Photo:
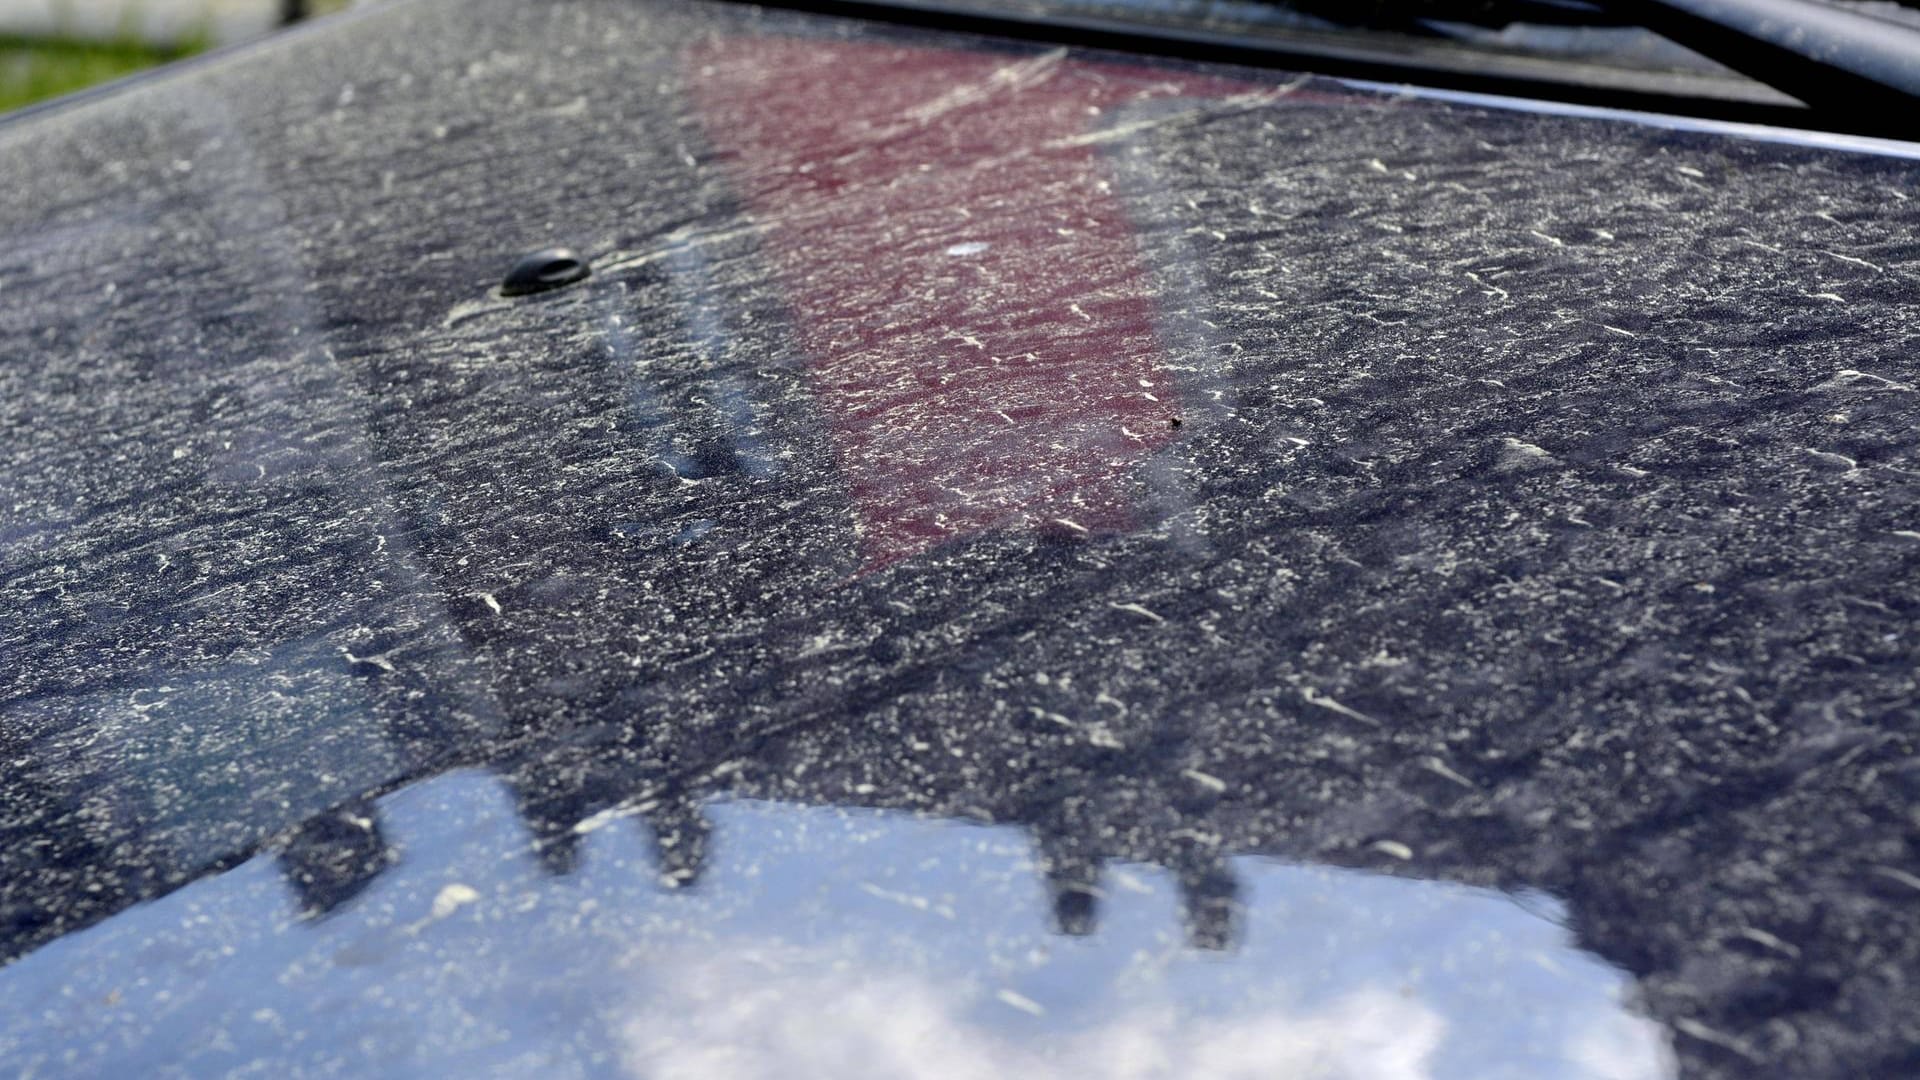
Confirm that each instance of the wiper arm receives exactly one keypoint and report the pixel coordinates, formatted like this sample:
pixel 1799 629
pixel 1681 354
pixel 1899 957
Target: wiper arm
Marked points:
pixel 1833 59
pixel 1805 66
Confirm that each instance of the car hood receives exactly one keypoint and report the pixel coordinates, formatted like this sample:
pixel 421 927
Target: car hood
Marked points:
pixel 1015 559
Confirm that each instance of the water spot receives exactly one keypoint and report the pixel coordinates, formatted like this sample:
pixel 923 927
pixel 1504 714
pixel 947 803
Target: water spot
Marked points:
pixel 452 898
pixel 1022 1002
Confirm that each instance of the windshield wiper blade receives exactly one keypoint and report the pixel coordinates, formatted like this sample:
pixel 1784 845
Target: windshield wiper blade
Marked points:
pixel 1335 52
pixel 1835 60
pixel 1834 87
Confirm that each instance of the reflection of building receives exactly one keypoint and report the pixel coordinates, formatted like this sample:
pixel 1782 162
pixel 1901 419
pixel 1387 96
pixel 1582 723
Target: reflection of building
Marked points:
pixel 330 858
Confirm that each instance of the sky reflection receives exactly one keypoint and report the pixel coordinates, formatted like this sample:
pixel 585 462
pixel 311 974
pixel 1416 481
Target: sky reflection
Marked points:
pixel 822 942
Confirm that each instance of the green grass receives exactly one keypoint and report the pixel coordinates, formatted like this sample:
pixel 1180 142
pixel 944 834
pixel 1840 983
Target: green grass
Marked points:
pixel 33 69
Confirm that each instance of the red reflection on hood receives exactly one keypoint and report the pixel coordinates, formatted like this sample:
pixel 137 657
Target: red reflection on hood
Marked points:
pixel 977 321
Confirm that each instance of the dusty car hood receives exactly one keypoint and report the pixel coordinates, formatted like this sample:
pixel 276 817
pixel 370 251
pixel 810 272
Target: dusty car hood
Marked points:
pixel 1015 559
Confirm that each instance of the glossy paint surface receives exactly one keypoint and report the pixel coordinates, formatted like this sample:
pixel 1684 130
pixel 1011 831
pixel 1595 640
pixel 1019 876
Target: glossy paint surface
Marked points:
pixel 1014 558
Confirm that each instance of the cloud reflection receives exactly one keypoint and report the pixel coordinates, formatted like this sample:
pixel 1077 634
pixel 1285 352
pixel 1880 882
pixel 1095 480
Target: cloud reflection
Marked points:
pixel 766 1010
